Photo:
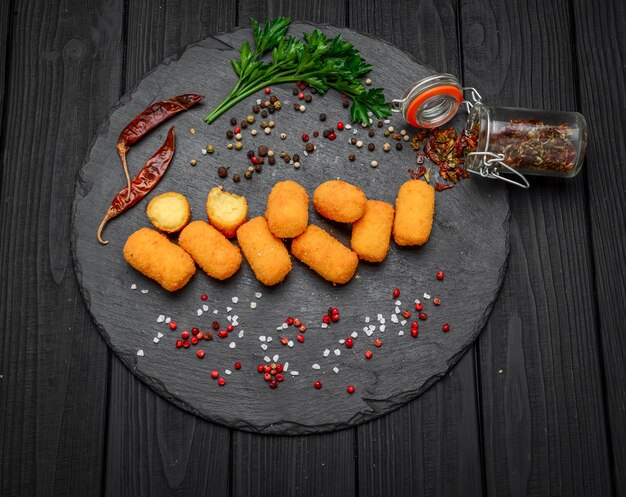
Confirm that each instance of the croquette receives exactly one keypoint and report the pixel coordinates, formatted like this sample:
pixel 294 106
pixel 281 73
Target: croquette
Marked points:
pixel 325 255
pixel 217 257
pixel 226 211
pixel 169 212
pixel 339 201
pixel 287 210
pixel 266 254
pixel 371 233
pixel 153 255
pixel 415 208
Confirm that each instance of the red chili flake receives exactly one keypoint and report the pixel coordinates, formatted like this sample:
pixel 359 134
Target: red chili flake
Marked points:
pixel 179 344
pixel 378 342
pixel 289 321
pixel 350 389
pixel 301 96
pixel 368 354
pixel 441 186
pixel 184 335
pixel 267 90
pixel 254 160
pixel 406 314
pixel 418 306
pixel 417 174
pixel 279 368
pixel 332 136
pixel 422 316
pixel 279 377
pixel 215 374
pixel 221 382
pixel 273 384
pixel 230 328
pixel 284 341
pixel 297 323
pixel 204 296
pixel 216 325
pixel 237 130
pixel 172 325
pixel 300 338
pixel 194 341
pixel 396 293
pixel 200 353
pixel 267 376
pixel 349 342
pixel 440 275
pixel 414 332
pixel 222 333
pixel 317 385
pixel 260 367
pixel 305 137
pixel 195 331
pixel 340 126
pixel 437 301
pixel 186 344
pixel 326 319
pixel 446 327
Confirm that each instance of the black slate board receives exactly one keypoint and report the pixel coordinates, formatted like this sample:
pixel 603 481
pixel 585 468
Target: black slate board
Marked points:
pixel 469 242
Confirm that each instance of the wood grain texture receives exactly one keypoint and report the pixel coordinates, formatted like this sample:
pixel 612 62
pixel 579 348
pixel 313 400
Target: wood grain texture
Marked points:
pixel 432 445
pixel 601 52
pixel 6 25
pixel 540 377
pixel 184 455
pixel 63 77
pixel 314 11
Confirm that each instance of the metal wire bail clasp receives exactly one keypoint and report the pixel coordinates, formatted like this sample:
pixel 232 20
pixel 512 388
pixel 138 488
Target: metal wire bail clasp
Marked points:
pixel 490 165
pixel 474 96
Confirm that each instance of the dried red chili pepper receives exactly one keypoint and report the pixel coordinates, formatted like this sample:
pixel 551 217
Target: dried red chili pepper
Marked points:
pixel 148 177
pixel 442 186
pixel 149 119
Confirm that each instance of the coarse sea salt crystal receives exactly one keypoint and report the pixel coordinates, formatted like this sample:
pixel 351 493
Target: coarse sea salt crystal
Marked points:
pixel 306 154
pixel 348 126
pixel 394 318
pixel 230 318
pixel 354 131
pixel 144 291
pixel 336 369
pixel 258 101
pixel 140 353
pixel 228 309
pixel 161 318
pixel 379 317
pixel 269 339
pixel 417 301
pixel 258 295
pixel 369 333
pixel 240 334
pixel 232 345
pixel 203 151
pixel 397 310
pixel 264 346
pixel 315 366
pixel 235 300
pixel 372 327
pixel 252 305
pixel 205 308
pixel 401 332
pixel 403 322
pixel 267 359
pixel 337 352
pixel 326 352
pixel 159 335
pixel 133 287
pixel 262 338
pixel 279 328
pixel 199 312
pixel 290 343
pixel 285 326
pixel 382 321
pixel 324 325
pixel 276 357
pixel 367 319
pixel 293 373
pixel 354 334
pixel 227 371
pixel 342 341
pixel 168 320
pixel 285 366
pixel 398 302
pixel 215 311
pixel 386 121
pixel 382 327
pixel 155 340
pixel 426 296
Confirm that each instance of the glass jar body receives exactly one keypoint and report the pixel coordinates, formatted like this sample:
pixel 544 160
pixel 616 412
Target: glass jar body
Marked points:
pixel 528 141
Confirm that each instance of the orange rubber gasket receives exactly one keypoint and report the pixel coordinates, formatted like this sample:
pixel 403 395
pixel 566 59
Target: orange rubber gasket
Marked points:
pixel 438 90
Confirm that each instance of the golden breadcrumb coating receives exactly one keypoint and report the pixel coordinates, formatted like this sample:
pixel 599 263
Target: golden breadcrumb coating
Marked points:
pixel 226 211
pixel 371 234
pixel 153 255
pixel 217 257
pixel 339 201
pixel 266 254
pixel 415 208
pixel 287 210
pixel 325 255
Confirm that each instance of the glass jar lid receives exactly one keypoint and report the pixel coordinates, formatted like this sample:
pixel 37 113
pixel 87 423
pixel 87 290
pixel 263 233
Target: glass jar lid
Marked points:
pixel 431 101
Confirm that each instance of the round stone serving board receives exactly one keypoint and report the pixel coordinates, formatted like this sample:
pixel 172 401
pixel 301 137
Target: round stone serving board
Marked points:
pixel 469 241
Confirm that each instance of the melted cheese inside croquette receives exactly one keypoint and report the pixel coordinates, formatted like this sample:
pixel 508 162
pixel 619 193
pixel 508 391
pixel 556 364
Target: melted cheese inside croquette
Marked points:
pixel 169 212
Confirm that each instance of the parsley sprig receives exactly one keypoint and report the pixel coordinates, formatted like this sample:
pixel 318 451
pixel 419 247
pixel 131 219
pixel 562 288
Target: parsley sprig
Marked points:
pixel 319 61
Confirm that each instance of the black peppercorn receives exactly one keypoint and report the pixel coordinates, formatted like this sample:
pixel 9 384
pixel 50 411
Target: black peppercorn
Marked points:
pixel 233 121
pixel 313 91
pixel 259 168
pixel 229 134
pixel 308 99
pixel 322 117
pixel 325 133
pixel 271 160
pixel 243 124
pixel 296 158
pixel 250 154
pixel 236 178
pixel 222 172
pixel 351 157
pixel 256 109
pixel 398 146
pixel 345 104
pixel 371 133
pixel 273 99
pixel 295 91
pixel 379 124
pixel 262 150
pixel 310 147
pixel 271 109
pixel 353 141
pixel 261 160
pixel 371 147
pixel 263 113
pixel 316 133
pixel 296 106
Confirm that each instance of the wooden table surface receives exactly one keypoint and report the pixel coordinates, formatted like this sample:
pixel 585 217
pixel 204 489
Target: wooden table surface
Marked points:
pixel 536 407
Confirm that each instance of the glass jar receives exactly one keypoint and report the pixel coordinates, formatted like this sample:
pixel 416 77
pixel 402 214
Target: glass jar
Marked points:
pixel 526 141
pixel 507 140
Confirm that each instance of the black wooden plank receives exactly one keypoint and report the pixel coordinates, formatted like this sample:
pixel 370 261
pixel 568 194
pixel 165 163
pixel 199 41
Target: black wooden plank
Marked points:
pixel 6 18
pixel 178 453
pixel 540 377
pixel 600 52
pixel 316 464
pixel 63 77
pixel 431 446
